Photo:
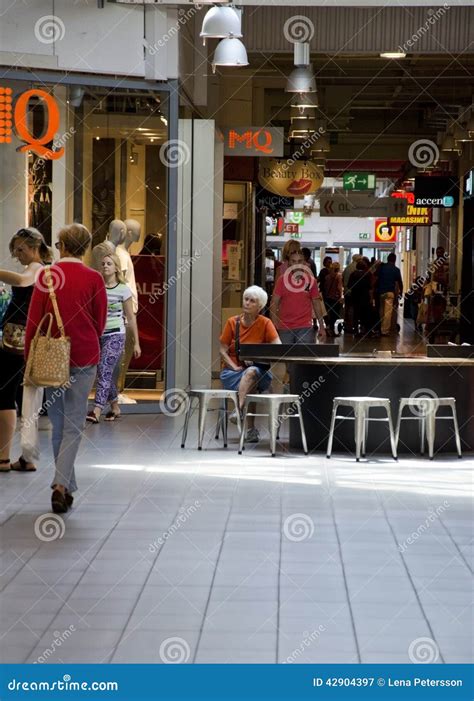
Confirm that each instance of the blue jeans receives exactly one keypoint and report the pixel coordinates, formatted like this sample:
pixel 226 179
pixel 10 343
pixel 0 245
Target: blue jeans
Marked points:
pixel 67 409
pixel 307 335
pixel 231 378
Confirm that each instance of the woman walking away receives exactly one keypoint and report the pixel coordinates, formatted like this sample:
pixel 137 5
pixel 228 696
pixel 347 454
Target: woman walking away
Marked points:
pixel 333 290
pixel 82 304
pixel 29 248
pixel 112 342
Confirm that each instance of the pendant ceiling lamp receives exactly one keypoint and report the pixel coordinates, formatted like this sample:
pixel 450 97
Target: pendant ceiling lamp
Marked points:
pixel 461 134
pixel 470 126
pixel 301 80
pixel 321 144
pixel 230 52
pixel 302 103
pixel 220 23
pixel 449 143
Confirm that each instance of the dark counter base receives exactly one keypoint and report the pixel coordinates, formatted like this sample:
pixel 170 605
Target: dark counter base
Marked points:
pixel 318 384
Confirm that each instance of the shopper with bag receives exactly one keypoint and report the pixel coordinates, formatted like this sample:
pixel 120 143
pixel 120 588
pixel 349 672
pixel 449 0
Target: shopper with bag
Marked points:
pixel 29 248
pixel 69 305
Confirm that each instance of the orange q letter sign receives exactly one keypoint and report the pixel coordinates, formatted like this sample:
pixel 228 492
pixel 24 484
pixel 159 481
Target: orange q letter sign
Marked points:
pixel 52 125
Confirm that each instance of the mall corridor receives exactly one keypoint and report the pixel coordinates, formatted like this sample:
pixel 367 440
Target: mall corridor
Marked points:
pixel 176 555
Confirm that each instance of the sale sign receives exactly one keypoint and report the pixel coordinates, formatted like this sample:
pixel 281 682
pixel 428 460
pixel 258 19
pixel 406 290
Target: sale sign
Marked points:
pixel 150 279
pixel 15 118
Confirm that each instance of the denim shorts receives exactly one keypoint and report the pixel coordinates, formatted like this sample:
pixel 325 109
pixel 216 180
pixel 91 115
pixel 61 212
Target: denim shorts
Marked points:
pixel 231 378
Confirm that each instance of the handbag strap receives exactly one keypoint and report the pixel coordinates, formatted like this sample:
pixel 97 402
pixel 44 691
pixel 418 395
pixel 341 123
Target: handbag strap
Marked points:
pixel 237 337
pixel 52 296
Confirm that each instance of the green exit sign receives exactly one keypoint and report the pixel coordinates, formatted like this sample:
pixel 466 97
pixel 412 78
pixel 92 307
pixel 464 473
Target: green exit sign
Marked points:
pixel 359 181
pixel 364 237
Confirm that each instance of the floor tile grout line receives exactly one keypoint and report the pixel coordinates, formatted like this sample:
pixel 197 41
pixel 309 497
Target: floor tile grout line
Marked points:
pixel 206 606
pixel 410 577
pixel 349 602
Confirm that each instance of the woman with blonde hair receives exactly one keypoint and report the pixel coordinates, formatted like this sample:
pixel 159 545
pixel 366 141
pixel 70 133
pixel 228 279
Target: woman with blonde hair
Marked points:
pixel 29 248
pixel 291 247
pixel 112 341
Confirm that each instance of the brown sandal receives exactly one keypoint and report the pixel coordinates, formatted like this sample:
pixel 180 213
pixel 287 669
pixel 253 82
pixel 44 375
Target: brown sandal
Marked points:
pixel 22 466
pixel 5 465
pixel 112 415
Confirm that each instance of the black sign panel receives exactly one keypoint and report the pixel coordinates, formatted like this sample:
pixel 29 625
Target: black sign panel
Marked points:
pixel 276 203
pixel 436 191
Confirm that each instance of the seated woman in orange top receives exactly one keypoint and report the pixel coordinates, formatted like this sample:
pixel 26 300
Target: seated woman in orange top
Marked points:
pixel 243 376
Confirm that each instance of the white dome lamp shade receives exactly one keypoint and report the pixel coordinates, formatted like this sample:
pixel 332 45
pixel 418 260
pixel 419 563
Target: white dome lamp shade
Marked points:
pixel 230 52
pixel 221 22
pixel 301 80
pixel 302 102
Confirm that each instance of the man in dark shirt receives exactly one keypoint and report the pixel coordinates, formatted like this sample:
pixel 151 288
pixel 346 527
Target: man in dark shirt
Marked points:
pixel 389 286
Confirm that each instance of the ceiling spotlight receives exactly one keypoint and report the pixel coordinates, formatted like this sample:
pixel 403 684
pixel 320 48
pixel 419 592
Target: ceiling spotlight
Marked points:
pixel 230 52
pixel 221 22
pixel 392 54
pixel 301 80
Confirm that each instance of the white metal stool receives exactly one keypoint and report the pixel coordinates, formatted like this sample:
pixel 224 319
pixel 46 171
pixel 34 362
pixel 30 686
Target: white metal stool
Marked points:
pixel 204 397
pixel 361 406
pixel 426 413
pixel 272 403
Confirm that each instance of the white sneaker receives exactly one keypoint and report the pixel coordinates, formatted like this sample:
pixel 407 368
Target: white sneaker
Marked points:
pixel 252 436
pixel 123 399
pixel 233 417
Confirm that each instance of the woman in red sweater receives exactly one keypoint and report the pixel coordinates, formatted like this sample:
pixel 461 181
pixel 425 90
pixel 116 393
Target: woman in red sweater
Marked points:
pixel 82 303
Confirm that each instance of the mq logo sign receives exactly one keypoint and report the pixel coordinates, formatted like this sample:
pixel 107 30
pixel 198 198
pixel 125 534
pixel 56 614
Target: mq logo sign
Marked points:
pixel 253 141
pixel 16 118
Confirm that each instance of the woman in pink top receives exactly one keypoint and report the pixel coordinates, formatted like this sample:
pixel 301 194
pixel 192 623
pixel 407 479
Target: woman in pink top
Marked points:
pixel 295 302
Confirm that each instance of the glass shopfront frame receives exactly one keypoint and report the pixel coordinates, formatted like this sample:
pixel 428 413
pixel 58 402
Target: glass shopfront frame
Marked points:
pixel 81 197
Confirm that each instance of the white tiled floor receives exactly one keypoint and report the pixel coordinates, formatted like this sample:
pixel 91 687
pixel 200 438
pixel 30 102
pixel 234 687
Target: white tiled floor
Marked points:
pixel 212 557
